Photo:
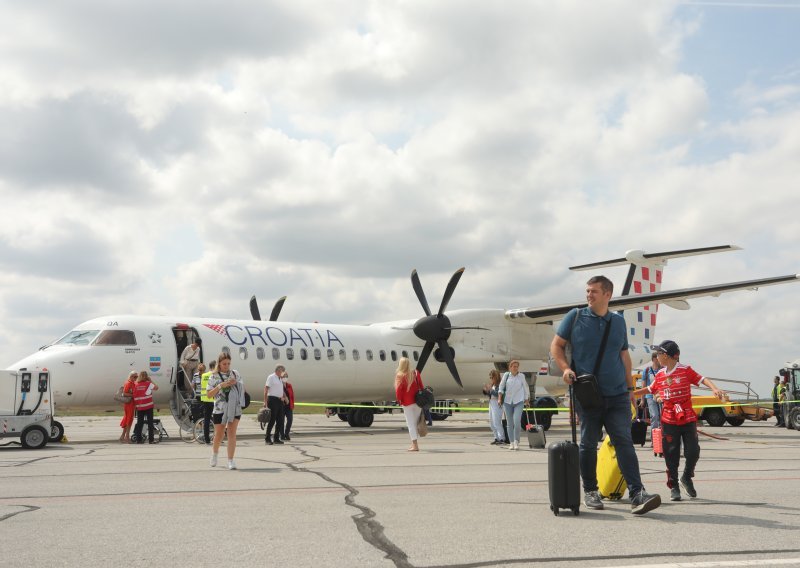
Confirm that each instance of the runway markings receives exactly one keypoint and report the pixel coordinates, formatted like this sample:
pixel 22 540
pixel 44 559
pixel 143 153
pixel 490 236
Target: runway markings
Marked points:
pixel 725 563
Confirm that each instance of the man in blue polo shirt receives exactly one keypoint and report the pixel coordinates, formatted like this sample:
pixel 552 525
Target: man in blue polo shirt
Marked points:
pixel 583 329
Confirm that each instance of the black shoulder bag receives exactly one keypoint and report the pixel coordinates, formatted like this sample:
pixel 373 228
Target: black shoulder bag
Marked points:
pixel 587 391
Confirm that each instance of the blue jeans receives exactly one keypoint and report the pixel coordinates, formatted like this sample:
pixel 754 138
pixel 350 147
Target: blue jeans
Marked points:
pixel 514 420
pixel 616 417
pixel 655 413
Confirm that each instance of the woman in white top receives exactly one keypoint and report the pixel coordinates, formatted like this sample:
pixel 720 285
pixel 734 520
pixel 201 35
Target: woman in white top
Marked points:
pixel 495 410
pixel 514 394
pixel 226 387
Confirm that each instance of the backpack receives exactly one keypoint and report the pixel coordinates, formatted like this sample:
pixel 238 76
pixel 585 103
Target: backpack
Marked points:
pixel 122 397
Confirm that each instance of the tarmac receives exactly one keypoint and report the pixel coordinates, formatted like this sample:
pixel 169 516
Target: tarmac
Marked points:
pixel 342 496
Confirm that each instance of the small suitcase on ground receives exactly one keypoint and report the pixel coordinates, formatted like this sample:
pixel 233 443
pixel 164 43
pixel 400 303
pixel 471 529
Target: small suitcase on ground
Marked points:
pixel 639 432
pixel 610 482
pixel 563 472
pixel 536 436
pixel 658 442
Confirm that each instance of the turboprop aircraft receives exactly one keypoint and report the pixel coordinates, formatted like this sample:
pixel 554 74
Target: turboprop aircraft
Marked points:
pixel 334 363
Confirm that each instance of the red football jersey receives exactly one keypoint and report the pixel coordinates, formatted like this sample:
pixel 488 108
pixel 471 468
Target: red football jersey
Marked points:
pixel 675 389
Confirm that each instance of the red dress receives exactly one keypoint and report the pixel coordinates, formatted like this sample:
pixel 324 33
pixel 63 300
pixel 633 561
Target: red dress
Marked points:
pixel 128 407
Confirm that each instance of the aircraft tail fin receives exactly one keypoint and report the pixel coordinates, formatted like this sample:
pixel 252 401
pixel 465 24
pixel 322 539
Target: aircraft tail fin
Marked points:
pixel 645 276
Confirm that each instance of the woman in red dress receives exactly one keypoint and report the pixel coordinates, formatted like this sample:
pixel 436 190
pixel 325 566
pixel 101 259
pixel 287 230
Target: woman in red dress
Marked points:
pixel 128 408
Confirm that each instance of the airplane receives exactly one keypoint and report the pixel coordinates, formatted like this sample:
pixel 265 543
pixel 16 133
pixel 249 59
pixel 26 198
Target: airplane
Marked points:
pixel 338 364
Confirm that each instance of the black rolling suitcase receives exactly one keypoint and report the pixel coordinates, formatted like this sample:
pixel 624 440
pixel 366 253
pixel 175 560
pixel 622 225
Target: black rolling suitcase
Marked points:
pixel 563 472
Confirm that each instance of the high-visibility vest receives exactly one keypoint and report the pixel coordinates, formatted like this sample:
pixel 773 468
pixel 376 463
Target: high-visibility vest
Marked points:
pixel 204 385
pixel 143 400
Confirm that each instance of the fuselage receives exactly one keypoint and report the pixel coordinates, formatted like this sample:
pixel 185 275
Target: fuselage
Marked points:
pixel 327 363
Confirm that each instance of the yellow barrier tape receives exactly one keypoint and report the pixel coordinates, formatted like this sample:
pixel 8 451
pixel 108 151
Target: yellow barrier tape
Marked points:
pixel 528 409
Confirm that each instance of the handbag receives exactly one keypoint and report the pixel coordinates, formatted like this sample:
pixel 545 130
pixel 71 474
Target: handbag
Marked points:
pixel 263 416
pixel 422 425
pixel 122 397
pixel 587 391
pixel 424 397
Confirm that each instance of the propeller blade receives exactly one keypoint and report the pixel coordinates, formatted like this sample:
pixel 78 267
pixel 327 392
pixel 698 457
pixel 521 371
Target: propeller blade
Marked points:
pixel 277 309
pixel 448 293
pixel 423 357
pixel 418 291
pixel 444 349
pixel 254 309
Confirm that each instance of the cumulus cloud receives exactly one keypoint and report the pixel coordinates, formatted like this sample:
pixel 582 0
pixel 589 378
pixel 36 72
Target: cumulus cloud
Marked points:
pixel 178 158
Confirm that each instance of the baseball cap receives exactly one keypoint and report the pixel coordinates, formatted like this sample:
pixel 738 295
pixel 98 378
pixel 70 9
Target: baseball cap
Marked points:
pixel 669 347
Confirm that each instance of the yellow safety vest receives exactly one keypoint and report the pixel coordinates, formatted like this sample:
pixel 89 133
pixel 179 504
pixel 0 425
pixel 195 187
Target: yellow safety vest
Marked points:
pixel 203 386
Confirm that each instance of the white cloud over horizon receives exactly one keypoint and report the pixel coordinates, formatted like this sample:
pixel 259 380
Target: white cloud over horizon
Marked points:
pixel 176 158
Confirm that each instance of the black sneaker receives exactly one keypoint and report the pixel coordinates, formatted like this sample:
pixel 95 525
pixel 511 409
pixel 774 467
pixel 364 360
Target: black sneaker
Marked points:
pixel 268 441
pixel 287 437
pixel 644 502
pixel 592 500
pixel 675 494
pixel 278 440
pixel 688 486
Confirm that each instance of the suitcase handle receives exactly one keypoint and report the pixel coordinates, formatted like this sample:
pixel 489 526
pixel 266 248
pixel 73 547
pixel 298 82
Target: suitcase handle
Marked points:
pixel 572 413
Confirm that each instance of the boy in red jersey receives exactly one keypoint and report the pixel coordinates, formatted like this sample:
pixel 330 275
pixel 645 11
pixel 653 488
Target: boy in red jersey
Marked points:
pixel 672 387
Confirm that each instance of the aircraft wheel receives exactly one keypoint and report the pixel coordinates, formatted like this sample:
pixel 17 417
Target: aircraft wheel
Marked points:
pixel 437 417
pixel 56 431
pixel 342 416
pixel 367 417
pixel 352 417
pixel 734 421
pixel 714 417
pixel 34 437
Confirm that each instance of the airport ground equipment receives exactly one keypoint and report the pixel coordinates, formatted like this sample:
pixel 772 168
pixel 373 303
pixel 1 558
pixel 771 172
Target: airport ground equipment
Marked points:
pixel 26 408
pixel 745 404
pixel 791 408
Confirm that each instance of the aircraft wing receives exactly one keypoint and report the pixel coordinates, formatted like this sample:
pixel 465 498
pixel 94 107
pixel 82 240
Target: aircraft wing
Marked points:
pixel 674 298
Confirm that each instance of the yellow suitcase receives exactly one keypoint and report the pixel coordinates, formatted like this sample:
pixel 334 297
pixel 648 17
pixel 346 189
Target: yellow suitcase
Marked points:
pixel 610 483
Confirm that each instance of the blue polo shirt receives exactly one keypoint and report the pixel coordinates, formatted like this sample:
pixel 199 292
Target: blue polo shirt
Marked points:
pixel 584 330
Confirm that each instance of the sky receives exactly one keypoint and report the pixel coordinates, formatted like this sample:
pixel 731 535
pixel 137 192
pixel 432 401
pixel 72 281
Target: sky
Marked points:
pixel 174 158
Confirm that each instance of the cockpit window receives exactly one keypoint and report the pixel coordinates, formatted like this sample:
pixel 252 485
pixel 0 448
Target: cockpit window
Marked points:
pixel 78 337
pixel 116 337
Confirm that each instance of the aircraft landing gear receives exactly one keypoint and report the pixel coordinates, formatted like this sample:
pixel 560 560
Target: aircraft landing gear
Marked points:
pixel 360 417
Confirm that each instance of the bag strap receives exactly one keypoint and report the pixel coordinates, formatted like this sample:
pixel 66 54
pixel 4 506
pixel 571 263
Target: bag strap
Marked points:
pixel 602 347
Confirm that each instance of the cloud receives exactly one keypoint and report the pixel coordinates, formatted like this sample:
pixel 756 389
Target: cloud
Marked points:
pixel 179 158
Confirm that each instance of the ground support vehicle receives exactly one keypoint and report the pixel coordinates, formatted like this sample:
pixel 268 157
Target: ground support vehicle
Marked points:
pixel 791 408
pixel 26 408
pixel 745 404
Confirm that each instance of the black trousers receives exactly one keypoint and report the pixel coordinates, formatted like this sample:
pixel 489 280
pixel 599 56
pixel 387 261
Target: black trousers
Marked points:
pixel 289 416
pixel 143 416
pixel 673 437
pixel 208 410
pixel 275 405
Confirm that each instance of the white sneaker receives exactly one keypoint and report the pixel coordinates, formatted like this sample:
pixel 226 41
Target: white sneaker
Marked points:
pixel 511 446
pixel 213 461
pixel 516 446
pixel 231 464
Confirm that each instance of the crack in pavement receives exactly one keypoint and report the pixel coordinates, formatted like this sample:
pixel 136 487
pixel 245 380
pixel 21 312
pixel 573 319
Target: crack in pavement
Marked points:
pixel 370 529
pixel 26 509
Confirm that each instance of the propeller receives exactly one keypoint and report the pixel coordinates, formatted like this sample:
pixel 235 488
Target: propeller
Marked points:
pixel 276 310
pixel 434 330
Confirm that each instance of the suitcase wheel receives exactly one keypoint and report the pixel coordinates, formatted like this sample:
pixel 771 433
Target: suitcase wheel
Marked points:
pixel 554 509
pixel 576 511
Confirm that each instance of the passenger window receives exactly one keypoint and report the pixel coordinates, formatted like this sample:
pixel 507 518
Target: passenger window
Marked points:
pixel 416 356
pixel 382 355
pixel 260 353
pixel 242 353
pixel 289 353
pixel 317 354
pixel 115 337
pixel 226 350
pixel 342 354
pixel 276 353
pixel 330 354
pixel 369 354
pixel 394 355
pixel 405 353
pixel 303 353
pixel 355 355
